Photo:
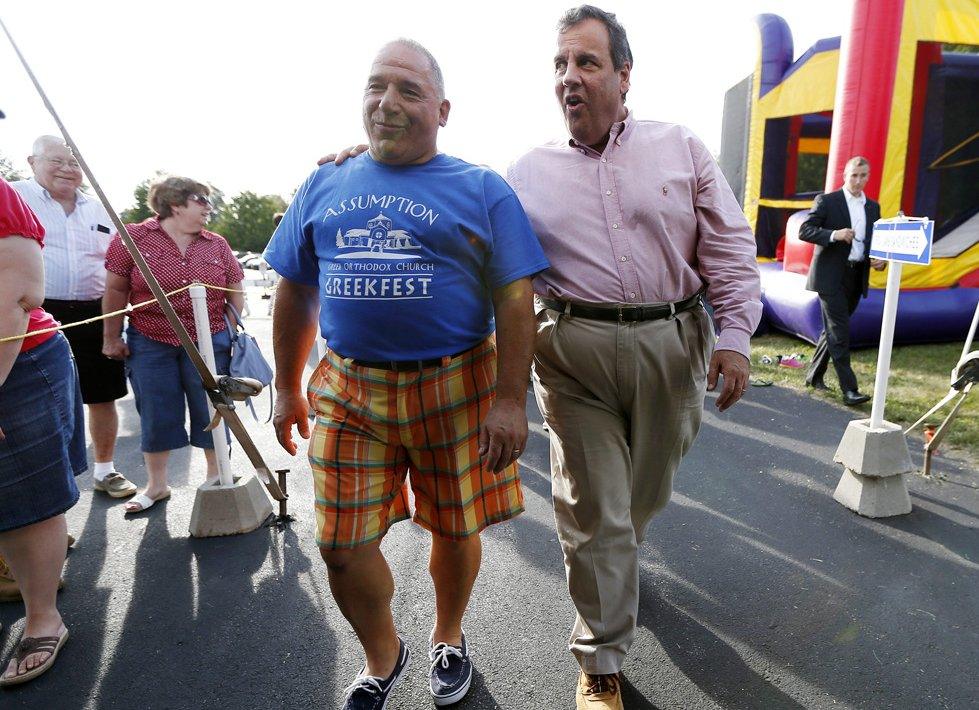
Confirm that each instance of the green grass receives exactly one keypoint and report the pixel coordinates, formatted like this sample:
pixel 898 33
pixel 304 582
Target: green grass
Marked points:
pixel 919 378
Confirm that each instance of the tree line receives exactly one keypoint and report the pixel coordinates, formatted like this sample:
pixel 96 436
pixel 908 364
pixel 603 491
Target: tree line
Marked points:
pixel 246 220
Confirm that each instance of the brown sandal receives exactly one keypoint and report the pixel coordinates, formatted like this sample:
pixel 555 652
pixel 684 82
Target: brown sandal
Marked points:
pixel 28 646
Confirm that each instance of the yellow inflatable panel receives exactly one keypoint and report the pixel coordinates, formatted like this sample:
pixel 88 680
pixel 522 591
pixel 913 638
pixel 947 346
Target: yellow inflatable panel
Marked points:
pixel 943 273
pixel 810 89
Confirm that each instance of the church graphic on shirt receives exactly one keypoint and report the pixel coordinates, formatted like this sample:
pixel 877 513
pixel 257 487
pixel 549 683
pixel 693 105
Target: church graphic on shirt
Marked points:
pixel 378 241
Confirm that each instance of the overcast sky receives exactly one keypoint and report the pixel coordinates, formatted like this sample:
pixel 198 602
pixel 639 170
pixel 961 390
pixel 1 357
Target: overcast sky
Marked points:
pixel 246 95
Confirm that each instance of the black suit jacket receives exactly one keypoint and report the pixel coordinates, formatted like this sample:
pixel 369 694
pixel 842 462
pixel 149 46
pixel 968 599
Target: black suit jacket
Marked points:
pixel 829 213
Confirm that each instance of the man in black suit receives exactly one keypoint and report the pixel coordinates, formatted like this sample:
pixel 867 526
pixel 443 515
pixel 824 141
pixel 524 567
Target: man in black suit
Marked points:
pixel 840 225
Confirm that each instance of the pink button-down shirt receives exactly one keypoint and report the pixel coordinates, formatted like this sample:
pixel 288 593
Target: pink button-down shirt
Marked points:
pixel 649 220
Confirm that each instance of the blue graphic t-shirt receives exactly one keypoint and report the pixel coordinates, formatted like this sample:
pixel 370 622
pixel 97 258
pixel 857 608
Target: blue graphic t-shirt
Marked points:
pixel 405 257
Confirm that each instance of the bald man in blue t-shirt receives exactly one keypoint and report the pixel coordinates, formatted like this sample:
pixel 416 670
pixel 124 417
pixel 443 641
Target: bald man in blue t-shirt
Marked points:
pixel 410 256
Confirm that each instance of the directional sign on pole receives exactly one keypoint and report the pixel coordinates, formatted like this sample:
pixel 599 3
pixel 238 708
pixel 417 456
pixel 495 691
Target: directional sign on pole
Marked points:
pixel 903 239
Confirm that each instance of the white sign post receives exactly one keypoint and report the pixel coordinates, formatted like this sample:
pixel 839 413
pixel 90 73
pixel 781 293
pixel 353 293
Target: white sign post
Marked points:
pixel 198 299
pixel 229 505
pixel 901 240
pixel 874 452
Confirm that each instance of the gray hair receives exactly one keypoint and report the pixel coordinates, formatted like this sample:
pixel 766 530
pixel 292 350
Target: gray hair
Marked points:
pixel 44 142
pixel 618 42
pixel 433 65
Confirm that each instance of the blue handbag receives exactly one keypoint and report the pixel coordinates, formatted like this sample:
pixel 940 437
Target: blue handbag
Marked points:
pixel 246 357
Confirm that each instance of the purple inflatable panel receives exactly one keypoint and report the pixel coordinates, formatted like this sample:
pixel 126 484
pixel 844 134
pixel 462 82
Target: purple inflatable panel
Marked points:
pixel 923 315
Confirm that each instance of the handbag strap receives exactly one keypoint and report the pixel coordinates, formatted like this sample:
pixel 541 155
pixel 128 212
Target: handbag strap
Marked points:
pixel 232 332
pixel 241 323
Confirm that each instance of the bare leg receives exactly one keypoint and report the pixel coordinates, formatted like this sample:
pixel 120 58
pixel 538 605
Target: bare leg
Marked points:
pixel 454 565
pixel 212 464
pixel 103 426
pixel 36 554
pixel 156 474
pixel 362 585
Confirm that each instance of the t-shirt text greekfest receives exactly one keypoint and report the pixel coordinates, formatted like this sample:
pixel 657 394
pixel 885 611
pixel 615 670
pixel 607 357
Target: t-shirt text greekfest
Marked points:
pixel 377 261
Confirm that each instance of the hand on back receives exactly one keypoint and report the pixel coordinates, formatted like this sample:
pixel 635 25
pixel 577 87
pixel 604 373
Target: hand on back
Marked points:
pixel 338 158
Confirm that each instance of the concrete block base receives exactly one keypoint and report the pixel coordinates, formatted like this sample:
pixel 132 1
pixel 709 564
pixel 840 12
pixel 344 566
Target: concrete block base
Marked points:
pixel 874 452
pixel 873 497
pixel 229 510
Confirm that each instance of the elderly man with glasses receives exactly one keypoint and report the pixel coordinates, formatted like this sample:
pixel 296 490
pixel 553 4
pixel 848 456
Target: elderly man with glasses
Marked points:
pixel 77 234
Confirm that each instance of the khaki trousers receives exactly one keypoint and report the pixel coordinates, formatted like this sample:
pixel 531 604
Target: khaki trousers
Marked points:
pixel 623 402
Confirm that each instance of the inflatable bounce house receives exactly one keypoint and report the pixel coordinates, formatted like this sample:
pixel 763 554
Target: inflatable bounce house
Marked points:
pixel 902 89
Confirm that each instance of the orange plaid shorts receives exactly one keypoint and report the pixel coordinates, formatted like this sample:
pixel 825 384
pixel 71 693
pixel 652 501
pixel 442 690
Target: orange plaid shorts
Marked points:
pixel 374 426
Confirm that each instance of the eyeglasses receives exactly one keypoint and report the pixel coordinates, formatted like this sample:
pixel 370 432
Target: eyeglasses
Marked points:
pixel 60 163
pixel 200 199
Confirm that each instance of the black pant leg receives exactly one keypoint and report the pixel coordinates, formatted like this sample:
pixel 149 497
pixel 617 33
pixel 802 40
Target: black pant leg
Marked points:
pixel 820 359
pixel 836 315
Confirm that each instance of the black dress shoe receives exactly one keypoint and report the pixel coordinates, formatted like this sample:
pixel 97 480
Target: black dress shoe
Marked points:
pixel 851 398
pixel 817 384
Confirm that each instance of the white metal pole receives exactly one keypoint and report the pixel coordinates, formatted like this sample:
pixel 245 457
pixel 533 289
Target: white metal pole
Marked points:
pixel 198 298
pixel 886 341
pixel 972 333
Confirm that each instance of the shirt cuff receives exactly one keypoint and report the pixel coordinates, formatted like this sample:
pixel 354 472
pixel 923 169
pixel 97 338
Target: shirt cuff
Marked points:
pixel 734 339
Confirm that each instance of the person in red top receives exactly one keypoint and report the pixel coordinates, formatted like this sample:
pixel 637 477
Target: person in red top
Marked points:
pixel 165 383
pixel 42 439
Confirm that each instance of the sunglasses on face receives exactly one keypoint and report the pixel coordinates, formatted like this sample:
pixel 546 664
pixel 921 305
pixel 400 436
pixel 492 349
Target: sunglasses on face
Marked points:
pixel 200 199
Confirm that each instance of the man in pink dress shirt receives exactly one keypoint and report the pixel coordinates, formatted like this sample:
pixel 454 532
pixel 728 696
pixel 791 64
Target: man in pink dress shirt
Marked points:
pixel 638 223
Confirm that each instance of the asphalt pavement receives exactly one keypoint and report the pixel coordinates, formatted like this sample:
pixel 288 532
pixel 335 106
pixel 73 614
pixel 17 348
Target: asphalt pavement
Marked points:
pixel 758 590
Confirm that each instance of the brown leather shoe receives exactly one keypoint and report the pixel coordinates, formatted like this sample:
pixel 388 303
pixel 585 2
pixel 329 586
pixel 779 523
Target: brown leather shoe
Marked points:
pixel 599 692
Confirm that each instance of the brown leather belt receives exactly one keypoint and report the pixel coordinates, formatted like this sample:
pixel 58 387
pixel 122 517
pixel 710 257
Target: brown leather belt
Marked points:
pixel 623 313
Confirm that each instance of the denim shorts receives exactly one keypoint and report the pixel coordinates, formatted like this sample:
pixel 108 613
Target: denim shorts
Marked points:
pixel 43 448
pixel 166 385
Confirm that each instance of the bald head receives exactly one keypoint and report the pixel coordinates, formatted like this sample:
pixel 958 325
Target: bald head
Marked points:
pixel 404 104
pixel 435 71
pixel 44 142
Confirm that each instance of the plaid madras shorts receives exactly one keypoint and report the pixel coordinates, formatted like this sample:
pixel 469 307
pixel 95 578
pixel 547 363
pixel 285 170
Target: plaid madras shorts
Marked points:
pixel 373 426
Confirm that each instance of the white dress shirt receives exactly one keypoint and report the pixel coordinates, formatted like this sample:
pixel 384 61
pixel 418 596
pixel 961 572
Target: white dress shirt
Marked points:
pixel 74 244
pixel 858 222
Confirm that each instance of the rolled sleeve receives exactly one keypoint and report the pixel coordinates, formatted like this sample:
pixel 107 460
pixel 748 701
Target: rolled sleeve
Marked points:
pixel 726 257
pixel 233 271
pixel 118 260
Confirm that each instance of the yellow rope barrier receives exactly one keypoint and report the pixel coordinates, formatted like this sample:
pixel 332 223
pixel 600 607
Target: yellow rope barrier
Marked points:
pixel 124 311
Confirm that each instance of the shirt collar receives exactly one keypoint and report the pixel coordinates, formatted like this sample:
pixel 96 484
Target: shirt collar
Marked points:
pixel 153 224
pixel 860 199
pixel 38 187
pixel 618 133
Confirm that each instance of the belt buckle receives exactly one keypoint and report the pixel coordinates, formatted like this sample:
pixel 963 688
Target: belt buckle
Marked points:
pixel 672 311
pixel 619 308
